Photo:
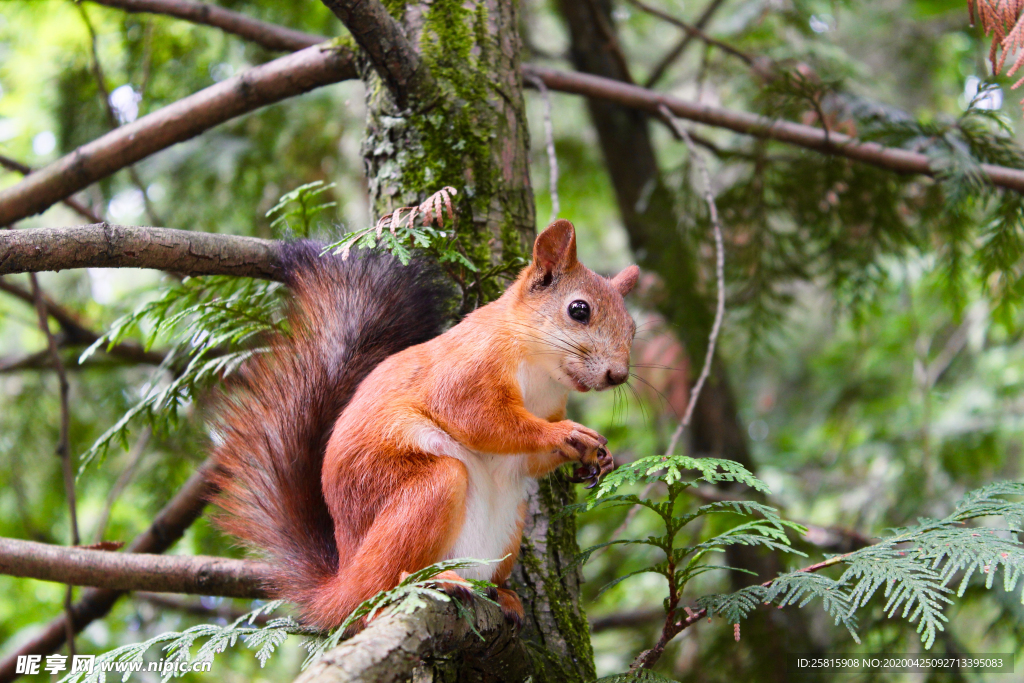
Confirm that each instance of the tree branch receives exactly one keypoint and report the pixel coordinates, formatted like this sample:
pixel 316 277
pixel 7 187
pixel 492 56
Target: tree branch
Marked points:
pixel 99 75
pixel 693 31
pixel 73 204
pixel 116 246
pixel 167 527
pixel 393 56
pixel 676 52
pixel 270 36
pixel 837 144
pixel 191 574
pixel 393 647
pixel 266 84
pixel 63 444
pixel 72 331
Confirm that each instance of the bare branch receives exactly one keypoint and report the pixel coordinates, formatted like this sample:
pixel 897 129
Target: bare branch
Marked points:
pixel 63 445
pixel 278 80
pixel 166 529
pixel 63 442
pixel 393 56
pixel 837 144
pixel 117 246
pixel 101 85
pixel 270 36
pixel 716 226
pixel 73 332
pixel 676 52
pixel 191 574
pixel 549 139
pixel 394 645
pixel 73 204
pixel 693 31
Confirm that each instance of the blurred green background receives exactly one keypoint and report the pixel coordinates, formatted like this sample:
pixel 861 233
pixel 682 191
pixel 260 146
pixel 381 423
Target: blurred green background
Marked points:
pixel 877 364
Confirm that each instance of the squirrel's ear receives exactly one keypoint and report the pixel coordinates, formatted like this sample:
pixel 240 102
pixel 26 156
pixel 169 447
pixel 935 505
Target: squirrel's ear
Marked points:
pixel 626 280
pixel 555 249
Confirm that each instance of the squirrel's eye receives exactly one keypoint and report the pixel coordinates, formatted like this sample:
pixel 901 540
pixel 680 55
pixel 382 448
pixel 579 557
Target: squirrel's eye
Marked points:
pixel 579 310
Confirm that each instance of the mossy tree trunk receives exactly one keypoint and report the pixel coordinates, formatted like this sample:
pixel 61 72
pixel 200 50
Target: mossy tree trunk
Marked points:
pixel 469 131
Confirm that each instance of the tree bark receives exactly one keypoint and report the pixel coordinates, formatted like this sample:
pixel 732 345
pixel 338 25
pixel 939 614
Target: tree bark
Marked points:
pixel 103 245
pixel 420 646
pixel 192 574
pixel 472 133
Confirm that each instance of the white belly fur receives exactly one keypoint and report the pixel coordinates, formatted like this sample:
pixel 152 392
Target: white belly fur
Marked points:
pixel 497 483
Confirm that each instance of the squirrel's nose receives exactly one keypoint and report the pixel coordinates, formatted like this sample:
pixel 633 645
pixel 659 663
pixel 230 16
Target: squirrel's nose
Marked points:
pixel 617 376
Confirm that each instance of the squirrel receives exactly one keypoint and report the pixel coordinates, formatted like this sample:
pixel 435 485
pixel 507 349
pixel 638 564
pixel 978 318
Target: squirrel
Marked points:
pixel 368 444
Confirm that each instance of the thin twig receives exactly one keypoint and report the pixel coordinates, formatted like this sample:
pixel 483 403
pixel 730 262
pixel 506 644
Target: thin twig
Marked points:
pixel 63 444
pixel 648 658
pixel 669 631
pixel 134 458
pixel 112 118
pixel 693 31
pixel 709 197
pixel 73 204
pixel 676 52
pixel 549 137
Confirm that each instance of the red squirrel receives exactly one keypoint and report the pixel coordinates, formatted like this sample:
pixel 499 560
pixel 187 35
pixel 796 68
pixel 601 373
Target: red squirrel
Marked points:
pixel 364 447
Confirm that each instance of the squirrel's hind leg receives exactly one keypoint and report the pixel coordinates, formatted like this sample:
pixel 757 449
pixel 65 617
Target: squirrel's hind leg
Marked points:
pixel 415 527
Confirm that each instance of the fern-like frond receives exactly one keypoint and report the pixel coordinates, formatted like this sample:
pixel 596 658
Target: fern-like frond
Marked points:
pixel 407 597
pixel 671 469
pixel 178 645
pixel 410 595
pixel 913 567
pixel 211 325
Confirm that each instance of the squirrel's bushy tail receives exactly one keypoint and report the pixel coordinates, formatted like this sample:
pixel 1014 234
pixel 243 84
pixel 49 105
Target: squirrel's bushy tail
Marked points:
pixel 274 423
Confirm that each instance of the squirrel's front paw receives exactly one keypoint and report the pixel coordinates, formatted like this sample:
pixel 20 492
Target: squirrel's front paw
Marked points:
pixel 581 443
pixel 589 448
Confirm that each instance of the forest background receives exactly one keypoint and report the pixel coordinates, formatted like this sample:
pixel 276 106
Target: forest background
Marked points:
pixel 869 368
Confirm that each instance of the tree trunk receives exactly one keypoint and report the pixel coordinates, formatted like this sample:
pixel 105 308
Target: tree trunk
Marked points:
pixel 472 134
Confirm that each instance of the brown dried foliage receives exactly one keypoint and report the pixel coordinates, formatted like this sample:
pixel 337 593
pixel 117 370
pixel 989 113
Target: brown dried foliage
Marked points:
pixel 1002 19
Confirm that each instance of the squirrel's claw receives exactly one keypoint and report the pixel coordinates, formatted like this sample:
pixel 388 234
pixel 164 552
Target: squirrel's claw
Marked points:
pixel 594 472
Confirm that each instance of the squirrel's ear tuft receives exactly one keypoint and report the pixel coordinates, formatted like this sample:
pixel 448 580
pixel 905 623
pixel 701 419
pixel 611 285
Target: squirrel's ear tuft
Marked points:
pixel 555 249
pixel 626 280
